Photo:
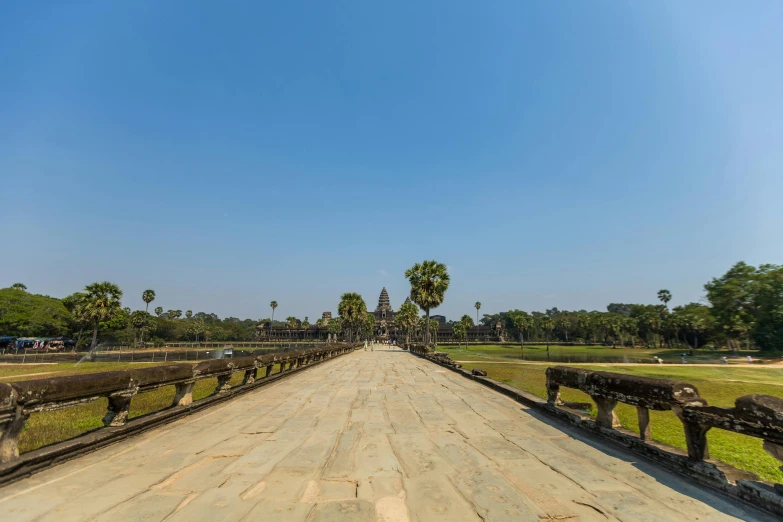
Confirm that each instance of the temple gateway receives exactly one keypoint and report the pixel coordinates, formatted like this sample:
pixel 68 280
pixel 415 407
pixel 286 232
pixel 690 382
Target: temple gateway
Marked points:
pixel 384 317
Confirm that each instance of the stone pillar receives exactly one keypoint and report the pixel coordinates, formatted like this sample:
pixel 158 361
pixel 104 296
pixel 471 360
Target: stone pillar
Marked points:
pixel 643 414
pixel 10 428
pixel 119 407
pixel 553 394
pixel 776 450
pixel 695 437
pixel 269 368
pixel 250 376
pixel 606 416
pixel 184 394
pixel 222 384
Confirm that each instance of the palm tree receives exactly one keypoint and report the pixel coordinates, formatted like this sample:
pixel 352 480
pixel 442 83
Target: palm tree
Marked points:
pixel 407 318
pixel 102 303
pixel 429 281
pixel 189 314
pixel 565 324
pixel 522 322
pixel 138 320
pixel 291 323
pixel 459 333
pixel 352 310
pixel 74 303
pixel 664 296
pixel 148 296
pixel 171 314
pixel 273 304
pixel 434 325
pixel 334 327
pixel 305 325
pixel 468 322
pixel 477 306
pixel 547 325
pixel 159 311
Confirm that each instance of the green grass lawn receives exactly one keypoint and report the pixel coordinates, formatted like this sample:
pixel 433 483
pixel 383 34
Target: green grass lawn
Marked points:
pixel 48 427
pixel 719 385
pixel 597 354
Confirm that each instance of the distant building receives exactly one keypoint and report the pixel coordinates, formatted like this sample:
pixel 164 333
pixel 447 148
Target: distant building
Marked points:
pixel 440 318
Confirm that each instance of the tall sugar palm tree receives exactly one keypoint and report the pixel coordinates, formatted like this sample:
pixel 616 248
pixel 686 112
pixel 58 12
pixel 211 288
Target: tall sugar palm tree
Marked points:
pixel 664 296
pixel 477 306
pixel 159 311
pixel 291 323
pixel 547 325
pixel 102 303
pixel 429 281
pixel 273 304
pixel 352 310
pixel 522 322
pixel 148 296
pixel 565 323
pixel 407 318
pixel 306 325
pixel 468 322
pixel 434 326
pixel 189 314
pixel 459 333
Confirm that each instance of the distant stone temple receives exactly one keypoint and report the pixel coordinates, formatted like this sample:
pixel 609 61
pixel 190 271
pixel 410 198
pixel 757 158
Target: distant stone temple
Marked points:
pixel 384 316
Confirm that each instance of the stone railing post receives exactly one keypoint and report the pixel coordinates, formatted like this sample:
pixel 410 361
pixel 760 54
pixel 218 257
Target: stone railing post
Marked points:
pixel 250 376
pixel 12 419
pixel 119 407
pixel 183 395
pixel 269 368
pixel 776 450
pixel 553 393
pixel 695 436
pixel 606 415
pixel 643 415
pixel 9 436
pixel 222 384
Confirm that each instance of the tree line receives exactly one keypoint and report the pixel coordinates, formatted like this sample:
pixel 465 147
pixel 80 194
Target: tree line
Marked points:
pixel 743 307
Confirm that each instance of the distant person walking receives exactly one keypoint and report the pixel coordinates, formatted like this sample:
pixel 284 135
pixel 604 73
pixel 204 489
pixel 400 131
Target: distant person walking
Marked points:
pixel 365 346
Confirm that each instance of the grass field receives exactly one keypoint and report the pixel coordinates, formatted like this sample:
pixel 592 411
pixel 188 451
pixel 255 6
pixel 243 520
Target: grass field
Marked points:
pixel 719 385
pixel 598 354
pixel 49 427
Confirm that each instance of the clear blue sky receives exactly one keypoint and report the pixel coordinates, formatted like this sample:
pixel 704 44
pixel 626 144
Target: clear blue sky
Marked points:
pixel 225 154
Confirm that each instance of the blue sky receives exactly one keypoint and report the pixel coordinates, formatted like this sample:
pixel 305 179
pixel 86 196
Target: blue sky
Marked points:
pixel 229 153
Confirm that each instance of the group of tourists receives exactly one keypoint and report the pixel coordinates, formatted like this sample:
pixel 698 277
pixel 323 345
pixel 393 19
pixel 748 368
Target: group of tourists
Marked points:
pixel 372 342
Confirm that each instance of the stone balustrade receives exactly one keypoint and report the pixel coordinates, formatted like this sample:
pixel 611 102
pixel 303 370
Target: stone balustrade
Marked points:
pixel 754 415
pixel 20 399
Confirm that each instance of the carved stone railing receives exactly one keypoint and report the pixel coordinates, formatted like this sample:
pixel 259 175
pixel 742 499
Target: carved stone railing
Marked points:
pixel 758 416
pixel 20 399
pixel 436 357
pixel 755 415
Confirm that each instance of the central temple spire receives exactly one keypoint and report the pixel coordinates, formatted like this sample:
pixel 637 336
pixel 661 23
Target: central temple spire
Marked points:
pixel 383 302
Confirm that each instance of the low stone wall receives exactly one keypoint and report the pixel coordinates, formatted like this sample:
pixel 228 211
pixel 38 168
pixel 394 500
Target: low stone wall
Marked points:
pixel 754 415
pixel 19 399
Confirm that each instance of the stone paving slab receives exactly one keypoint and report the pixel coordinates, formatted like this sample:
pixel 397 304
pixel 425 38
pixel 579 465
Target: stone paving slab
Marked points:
pixel 372 436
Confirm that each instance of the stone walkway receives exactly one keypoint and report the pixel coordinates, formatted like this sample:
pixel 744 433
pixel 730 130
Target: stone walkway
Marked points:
pixel 369 436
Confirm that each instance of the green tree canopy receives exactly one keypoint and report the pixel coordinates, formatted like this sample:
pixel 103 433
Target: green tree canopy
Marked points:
pixel 429 281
